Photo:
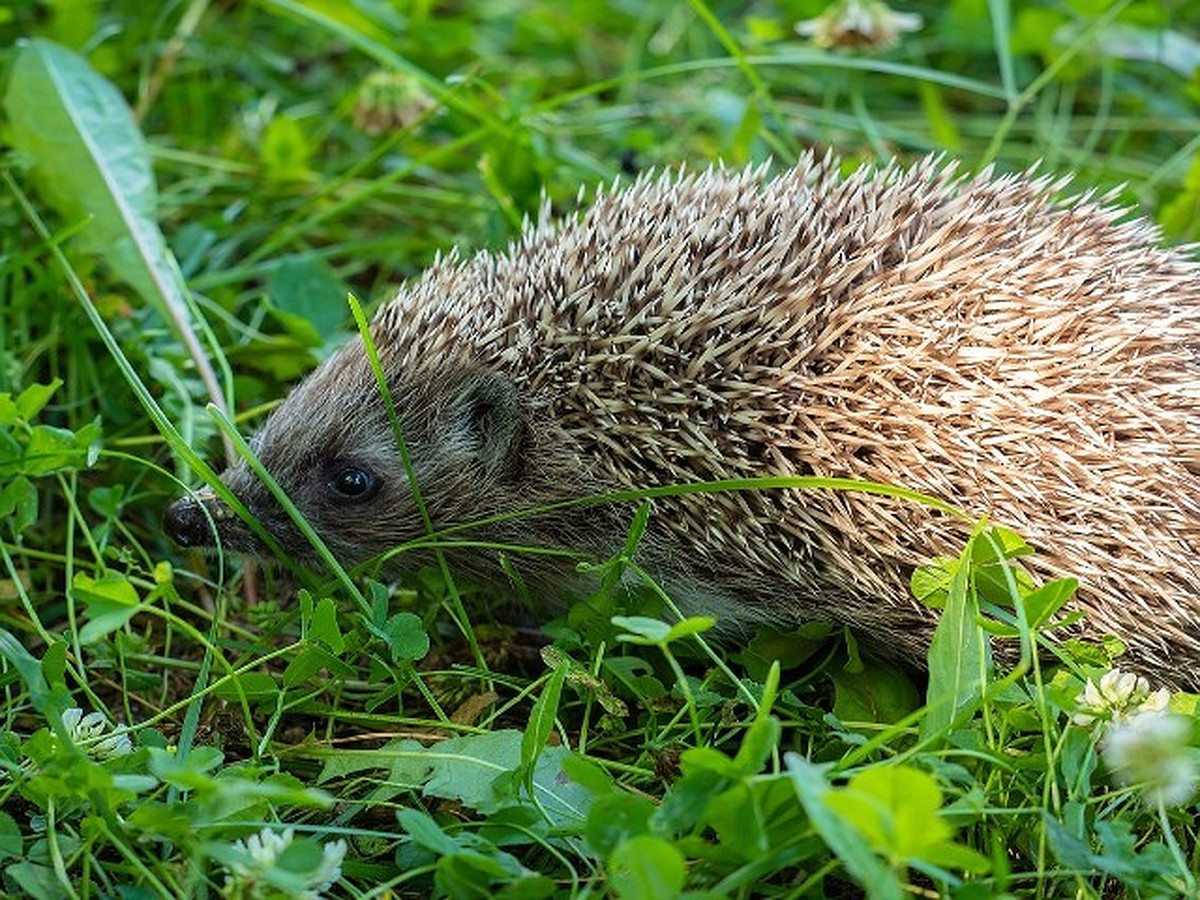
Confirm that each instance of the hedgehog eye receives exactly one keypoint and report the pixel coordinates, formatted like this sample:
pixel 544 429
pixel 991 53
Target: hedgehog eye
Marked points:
pixel 354 483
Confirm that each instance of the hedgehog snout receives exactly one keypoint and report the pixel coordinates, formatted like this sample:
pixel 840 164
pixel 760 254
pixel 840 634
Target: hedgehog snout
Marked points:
pixel 191 521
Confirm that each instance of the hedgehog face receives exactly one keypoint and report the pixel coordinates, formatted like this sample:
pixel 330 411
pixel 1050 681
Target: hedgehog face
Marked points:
pixel 331 447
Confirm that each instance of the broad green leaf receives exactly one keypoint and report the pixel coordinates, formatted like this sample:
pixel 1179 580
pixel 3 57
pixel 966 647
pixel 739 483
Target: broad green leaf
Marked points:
pixel 896 808
pixel 34 881
pixel 70 22
pixel 302 856
pixel 309 661
pixel 233 789
pixel 949 855
pixel 41 694
pixel 689 798
pixel 380 597
pixel 759 816
pixel 11 452
pixel 471 770
pixel 33 399
pixel 51 449
pixel 324 626
pixel 615 818
pixel 742 139
pixel 106 500
pixel 994 551
pixel 1035 29
pixel 1045 601
pixel 787 648
pixel 1167 47
pixel 636 675
pixel 642 630
pixel 1066 847
pixel 528 886
pixel 425 831
pixel 91 163
pixel 103 618
pixel 184 771
pixel 406 760
pixel 9 414
pixel 276 356
pixel 708 759
pixel 866 868
pixel 111 602
pixel 54 663
pixel 739 821
pixel 469 866
pixel 588 774
pixel 468 875
pixel 931 582
pixel 1179 216
pixel 305 288
pixel 941 121
pixel 541 722
pixel 167 821
pixel 646 868
pixel 10 837
pixel 1126 852
pixel 689 626
pixel 285 150
pixel 405 636
pixel 254 686
pixel 959 653
pixel 873 692
pixel 466 769
pixel 111 586
pixel 19 503
pixel 761 739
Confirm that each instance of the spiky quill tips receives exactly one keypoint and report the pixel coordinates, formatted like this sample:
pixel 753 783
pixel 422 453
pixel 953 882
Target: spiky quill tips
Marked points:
pixel 1020 353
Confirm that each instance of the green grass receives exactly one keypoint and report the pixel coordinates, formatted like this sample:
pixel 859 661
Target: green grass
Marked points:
pixel 304 150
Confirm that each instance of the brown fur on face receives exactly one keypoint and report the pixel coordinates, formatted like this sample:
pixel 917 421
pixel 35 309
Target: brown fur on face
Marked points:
pixel 1020 356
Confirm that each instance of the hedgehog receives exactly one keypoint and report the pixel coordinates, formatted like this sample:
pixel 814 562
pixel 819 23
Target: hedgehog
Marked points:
pixel 1026 355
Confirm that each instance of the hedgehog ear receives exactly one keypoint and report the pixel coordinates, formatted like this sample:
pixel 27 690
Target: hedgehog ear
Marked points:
pixel 485 421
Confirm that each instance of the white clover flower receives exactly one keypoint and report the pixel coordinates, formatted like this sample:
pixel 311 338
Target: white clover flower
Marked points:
pixel 264 850
pixel 858 23
pixel 91 733
pixel 390 101
pixel 330 871
pixel 1117 697
pixel 1150 750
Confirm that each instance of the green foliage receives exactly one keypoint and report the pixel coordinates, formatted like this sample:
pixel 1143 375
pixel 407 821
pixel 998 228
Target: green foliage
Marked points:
pixel 88 158
pixel 898 810
pixel 30 450
pixel 190 193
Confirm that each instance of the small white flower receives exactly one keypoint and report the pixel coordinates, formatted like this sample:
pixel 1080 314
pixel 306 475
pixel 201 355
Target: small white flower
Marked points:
pixel 91 733
pixel 1157 701
pixel 858 23
pixel 327 876
pixel 390 101
pixel 1117 697
pixel 1150 750
pixel 264 850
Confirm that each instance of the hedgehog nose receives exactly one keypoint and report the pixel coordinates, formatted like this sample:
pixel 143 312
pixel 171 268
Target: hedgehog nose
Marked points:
pixel 189 520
